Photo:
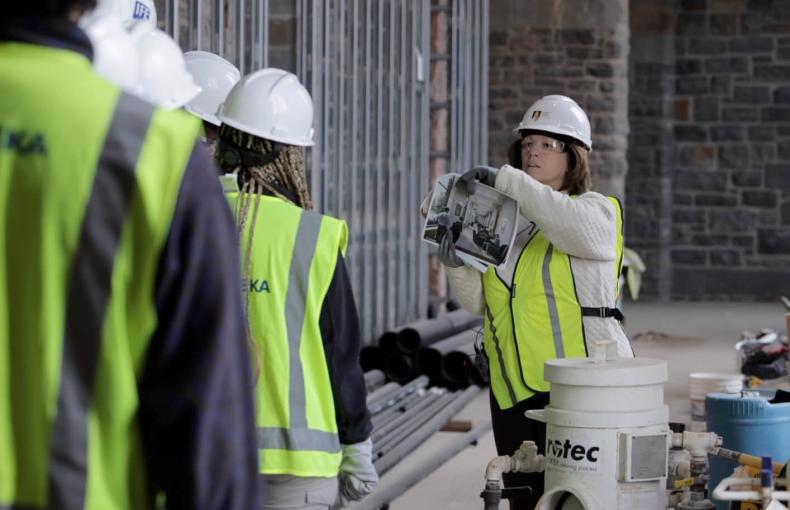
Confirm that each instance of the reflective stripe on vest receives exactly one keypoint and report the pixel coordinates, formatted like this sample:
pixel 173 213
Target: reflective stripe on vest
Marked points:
pixel 536 318
pixel 89 293
pixel 294 256
pixel 88 190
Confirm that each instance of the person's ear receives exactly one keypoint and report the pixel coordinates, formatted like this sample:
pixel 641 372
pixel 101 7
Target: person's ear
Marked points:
pixel 514 154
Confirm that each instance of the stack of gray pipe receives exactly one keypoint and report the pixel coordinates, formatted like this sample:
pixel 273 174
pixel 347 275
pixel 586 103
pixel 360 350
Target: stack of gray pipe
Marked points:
pixel 405 416
pixel 440 348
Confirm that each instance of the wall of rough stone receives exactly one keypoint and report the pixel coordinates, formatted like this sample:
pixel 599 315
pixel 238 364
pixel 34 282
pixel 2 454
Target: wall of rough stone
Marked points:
pixel 722 229
pixel 690 99
pixel 577 48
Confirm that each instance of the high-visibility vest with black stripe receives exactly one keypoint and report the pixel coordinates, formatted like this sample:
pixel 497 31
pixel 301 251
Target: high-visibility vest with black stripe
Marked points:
pixel 294 255
pixel 537 318
pixel 89 179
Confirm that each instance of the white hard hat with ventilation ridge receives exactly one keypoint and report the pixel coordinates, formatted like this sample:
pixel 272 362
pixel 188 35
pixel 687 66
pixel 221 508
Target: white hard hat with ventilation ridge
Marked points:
pixel 164 78
pixel 216 76
pixel 559 115
pixel 271 104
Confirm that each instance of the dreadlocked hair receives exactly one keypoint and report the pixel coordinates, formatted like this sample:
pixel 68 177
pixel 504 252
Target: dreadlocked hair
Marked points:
pixel 286 171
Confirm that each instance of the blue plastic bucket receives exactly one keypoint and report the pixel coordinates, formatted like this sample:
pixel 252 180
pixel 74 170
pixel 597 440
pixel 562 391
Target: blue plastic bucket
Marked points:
pixel 748 424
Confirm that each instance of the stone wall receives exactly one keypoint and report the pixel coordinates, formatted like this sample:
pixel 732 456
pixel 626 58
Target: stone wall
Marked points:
pixel 692 99
pixel 577 48
pixel 727 160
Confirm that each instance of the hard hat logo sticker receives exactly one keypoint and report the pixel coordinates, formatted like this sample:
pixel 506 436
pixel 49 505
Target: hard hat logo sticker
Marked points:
pixel 141 11
pixel 536 114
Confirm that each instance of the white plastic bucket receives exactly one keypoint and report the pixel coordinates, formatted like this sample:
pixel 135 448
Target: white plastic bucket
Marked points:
pixel 702 383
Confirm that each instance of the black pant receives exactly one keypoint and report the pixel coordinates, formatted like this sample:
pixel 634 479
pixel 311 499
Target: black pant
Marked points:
pixel 511 427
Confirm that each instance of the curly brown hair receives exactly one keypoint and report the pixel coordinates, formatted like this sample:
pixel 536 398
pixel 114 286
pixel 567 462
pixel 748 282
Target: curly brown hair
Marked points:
pixel 577 178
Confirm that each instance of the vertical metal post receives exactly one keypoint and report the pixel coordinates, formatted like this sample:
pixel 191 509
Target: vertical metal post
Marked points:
pixel 483 98
pixel 175 21
pixel 191 22
pixel 340 111
pixel 199 24
pixel 240 46
pixel 354 212
pixel 318 100
pixel 264 33
pixel 169 16
pixel 401 281
pixel 219 26
pixel 422 250
pixel 325 80
pixel 454 102
pixel 368 201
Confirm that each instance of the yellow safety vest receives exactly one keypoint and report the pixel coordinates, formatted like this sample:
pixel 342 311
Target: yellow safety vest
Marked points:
pixel 537 319
pixel 294 256
pixel 87 192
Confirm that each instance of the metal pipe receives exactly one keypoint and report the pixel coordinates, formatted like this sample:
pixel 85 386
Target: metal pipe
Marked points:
pixel 396 409
pixel 395 484
pixel 425 402
pixel 379 405
pixel 414 422
pixel 374 379
pixel 427 331
pixel 383 392
pixel 416 437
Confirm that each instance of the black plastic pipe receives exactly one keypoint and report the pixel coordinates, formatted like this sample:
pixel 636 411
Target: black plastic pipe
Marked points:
pixel 427 331
pixel 371 357
pixel 399 368
pixel 429 360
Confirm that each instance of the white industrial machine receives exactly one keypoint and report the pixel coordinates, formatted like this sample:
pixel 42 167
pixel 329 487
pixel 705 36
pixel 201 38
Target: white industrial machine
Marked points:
pixel 608 440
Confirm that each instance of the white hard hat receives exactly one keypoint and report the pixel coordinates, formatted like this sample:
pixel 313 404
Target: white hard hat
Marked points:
pixel 216 76
pixel 130 10
pixel 559 115
pixel 271 104
pixel 164 79
pixel 114 52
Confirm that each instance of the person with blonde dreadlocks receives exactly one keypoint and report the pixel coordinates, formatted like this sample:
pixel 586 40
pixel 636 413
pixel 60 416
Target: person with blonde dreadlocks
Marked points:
pixel 313 423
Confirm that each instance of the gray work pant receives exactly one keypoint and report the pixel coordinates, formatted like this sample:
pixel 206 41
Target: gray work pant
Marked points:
pixel 292 492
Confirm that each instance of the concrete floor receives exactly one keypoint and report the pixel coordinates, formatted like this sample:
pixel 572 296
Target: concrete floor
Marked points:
pixel 692 337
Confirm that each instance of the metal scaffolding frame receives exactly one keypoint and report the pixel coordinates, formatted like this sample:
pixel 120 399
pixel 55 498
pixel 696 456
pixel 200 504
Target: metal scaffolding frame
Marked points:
pixel 218 26
pixel 364 62
pixel 468 84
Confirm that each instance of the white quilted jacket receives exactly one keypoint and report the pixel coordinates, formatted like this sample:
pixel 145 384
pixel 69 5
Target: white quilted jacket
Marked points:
pixel 584 227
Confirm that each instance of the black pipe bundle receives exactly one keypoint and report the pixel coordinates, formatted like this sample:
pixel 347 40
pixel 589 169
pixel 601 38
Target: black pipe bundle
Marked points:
pixel 409 351
pixel 427 331
pixel 429 359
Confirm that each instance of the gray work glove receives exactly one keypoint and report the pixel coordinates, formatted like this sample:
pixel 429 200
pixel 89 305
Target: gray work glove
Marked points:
pixel 483 174
pixel 358 476
pixel 447 254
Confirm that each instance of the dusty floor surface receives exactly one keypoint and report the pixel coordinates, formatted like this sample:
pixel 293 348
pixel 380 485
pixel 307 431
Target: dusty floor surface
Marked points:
pixel 690 336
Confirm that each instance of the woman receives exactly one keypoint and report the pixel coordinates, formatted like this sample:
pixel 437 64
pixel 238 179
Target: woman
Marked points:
pixel 313 425
pixel 555 295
